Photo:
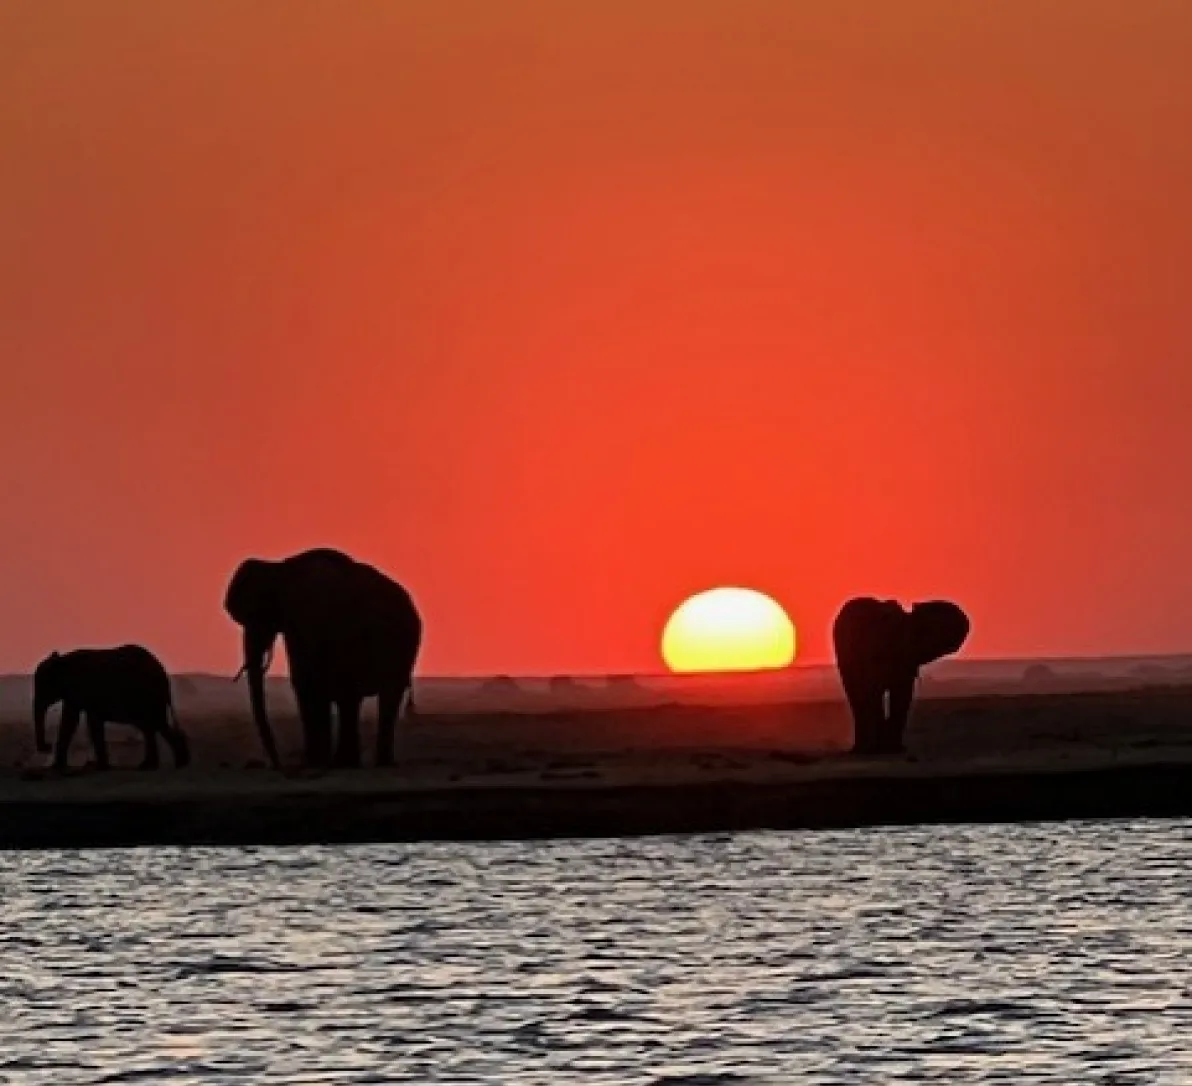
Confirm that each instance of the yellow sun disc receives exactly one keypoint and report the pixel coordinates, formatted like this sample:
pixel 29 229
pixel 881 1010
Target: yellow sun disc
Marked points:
pixel 728 629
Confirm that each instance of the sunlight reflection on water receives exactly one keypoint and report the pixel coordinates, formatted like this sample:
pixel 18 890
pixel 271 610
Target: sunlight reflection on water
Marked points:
pixel 955 954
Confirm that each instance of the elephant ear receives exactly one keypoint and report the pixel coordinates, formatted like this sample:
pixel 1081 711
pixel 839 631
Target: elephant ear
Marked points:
pixel 249 598
pixel 939 628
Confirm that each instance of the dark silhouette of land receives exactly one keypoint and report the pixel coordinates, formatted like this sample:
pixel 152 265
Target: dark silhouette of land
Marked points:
pixel 1124 750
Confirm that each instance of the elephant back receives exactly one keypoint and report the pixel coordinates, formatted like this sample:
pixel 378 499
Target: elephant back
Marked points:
pixel 116 677
pixel 361 623
pixel 872 636
pixel 331 586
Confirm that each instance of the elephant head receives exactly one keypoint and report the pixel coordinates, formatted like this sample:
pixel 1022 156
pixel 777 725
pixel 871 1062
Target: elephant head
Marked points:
pixel 254 602
pixel 937 628
pixel 47 692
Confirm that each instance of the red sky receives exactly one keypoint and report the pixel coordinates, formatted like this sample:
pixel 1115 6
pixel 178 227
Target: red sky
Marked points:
pixel 560 312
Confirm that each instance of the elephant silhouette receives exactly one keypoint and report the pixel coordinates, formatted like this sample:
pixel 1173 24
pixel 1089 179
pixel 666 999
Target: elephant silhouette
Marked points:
pixel 880 648
pixel 350 632
pixel 123 685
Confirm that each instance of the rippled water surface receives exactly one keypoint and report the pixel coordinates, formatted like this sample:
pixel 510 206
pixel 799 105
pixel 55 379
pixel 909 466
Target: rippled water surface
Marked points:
pixel 952 954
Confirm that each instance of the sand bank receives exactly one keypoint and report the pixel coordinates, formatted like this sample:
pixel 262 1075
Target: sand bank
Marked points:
pixel 361 814
pixel 675 769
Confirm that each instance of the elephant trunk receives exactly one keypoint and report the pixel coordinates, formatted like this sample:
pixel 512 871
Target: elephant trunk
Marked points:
pixel 40 709
pixel 256 650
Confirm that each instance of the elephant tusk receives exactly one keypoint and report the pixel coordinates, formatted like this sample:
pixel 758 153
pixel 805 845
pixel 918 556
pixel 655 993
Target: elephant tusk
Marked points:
pixel 264 666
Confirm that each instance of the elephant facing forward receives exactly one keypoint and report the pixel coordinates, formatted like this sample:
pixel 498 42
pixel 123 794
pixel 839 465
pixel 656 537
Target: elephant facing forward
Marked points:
pixel 350 633
pixel 123 685
pixel 880 648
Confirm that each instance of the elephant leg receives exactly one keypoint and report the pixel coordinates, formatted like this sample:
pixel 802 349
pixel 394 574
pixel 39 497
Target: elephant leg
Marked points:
pixel 894 727
pixel 96 726
pixel 388 707
pixel 347 745
pixel 866 702
pixel 67 727
pixel 309 718
pixel 315 711
pixel 150 759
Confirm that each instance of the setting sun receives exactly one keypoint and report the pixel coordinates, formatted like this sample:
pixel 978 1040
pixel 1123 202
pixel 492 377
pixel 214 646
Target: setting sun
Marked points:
pixel 728 629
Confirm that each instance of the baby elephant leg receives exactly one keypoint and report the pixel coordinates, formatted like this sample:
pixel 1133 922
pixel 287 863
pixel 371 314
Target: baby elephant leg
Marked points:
pixel 179 746
pixel 161 722
pixel 67 726
pixel 150 759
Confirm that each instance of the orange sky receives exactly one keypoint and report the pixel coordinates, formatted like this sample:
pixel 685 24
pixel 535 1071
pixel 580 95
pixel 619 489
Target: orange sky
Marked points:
pixel 560 312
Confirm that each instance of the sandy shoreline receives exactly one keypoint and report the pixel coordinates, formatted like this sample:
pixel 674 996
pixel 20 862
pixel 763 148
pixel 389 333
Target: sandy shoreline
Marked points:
pixel 668 769
pixel 292 812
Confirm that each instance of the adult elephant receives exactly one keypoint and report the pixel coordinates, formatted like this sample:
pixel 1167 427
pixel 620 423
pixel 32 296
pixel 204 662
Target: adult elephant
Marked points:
pixel 122 685
pixel 880 648
pixel 350 633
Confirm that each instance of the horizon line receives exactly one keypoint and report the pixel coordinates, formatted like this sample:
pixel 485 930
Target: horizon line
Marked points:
pixel 704 675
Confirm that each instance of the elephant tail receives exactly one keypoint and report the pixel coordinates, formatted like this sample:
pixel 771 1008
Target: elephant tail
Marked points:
pixel 408 708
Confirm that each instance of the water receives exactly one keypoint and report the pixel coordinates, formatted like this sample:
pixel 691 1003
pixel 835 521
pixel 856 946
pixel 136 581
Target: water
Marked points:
pixel 1054 953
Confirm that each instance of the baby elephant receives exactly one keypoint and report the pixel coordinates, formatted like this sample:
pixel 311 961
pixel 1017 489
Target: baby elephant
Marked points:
pixel 125 685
